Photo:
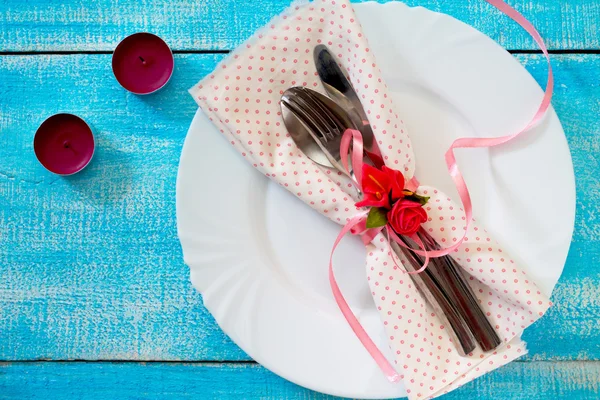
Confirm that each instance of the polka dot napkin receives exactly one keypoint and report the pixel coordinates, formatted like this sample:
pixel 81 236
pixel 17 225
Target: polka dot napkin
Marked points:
pixel 241 98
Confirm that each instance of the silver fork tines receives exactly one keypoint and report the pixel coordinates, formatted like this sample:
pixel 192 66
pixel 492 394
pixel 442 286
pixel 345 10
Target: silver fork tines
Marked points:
pixel 325 121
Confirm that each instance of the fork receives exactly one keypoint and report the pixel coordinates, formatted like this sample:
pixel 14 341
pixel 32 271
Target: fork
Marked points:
pixel 443 271
pixel 303 108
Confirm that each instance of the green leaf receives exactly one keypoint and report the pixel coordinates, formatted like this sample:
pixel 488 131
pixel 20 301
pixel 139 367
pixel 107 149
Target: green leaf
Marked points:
pixel 418 198
pixel 376 218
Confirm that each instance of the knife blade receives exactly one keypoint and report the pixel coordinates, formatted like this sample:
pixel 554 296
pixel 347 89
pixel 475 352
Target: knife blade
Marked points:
pixel 340 89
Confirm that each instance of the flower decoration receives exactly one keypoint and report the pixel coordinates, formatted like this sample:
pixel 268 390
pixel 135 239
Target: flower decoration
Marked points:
pixel 391 203
pixel 406 216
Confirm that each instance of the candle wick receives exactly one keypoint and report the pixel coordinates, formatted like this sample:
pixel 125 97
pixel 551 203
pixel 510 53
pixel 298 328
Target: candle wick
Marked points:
pixel 67 145
pixel 142 60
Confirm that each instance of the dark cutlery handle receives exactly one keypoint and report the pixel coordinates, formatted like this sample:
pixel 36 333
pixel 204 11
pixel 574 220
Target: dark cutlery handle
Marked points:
pixel 425 282
pixel 469 307
pixel 447 271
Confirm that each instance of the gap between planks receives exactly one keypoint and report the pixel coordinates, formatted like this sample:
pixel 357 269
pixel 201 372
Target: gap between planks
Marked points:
pixel 228 362
pixel 35 53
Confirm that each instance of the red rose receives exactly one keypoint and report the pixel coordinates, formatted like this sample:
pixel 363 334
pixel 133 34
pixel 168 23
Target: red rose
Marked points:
pixel 406 217
pixel 380 186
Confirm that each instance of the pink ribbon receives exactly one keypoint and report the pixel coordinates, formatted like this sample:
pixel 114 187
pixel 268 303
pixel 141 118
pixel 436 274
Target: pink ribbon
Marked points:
pixel 357 224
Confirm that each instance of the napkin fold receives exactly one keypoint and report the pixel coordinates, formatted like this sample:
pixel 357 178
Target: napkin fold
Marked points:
pixel 241 97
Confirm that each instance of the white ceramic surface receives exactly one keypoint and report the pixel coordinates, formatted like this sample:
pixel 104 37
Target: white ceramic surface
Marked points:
pixel 259 256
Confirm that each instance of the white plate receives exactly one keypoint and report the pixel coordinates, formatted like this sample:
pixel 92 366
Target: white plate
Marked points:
pixel 259 256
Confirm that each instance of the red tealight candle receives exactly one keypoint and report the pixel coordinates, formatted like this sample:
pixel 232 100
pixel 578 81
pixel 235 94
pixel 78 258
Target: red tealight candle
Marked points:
pixel 143 63
pixel 64 144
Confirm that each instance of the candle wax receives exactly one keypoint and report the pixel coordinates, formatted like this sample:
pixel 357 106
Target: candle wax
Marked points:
pixel 142 63
pixel 64 144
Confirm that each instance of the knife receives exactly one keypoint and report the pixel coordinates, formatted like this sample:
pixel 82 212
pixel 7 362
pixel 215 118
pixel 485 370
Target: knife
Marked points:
pixel 339 89
pixel 446 273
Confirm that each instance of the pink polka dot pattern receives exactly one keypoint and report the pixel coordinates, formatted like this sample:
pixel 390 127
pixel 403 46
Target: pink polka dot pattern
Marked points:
pixel 241 97
pixel 424 352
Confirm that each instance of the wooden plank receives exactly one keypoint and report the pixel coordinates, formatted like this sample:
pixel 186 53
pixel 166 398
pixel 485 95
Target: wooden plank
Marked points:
pixel 91 266
pixel 51 380
pixel 46 25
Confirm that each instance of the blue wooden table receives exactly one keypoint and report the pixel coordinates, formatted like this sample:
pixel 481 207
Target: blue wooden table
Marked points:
pixel 95 300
